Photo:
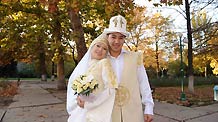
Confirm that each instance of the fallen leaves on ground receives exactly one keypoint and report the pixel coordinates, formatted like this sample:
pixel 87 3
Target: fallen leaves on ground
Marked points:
pixel 203 95
pixel 43 116
pixel 9 90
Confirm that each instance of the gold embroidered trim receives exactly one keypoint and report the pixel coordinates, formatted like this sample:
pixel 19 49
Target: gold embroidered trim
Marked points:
pixel 140 58
pixel 122 96
pixel 111 75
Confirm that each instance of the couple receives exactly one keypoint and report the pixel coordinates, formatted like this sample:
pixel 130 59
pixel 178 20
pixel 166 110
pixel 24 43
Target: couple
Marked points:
pixel 123 83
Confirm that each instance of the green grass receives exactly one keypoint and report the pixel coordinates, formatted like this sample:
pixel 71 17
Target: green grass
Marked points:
pixel 20 79
pixel 26 79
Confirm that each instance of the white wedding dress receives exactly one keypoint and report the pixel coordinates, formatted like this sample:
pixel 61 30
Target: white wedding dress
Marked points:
pixel 100 109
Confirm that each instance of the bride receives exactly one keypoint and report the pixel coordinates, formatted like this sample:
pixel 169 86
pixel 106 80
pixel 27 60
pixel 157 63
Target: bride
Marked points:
pixel 98 106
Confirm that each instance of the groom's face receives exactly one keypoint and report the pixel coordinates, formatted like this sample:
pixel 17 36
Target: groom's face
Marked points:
pixel 116 41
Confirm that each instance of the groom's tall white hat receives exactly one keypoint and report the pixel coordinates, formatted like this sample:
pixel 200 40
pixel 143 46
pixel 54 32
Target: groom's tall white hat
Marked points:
pixel 117 24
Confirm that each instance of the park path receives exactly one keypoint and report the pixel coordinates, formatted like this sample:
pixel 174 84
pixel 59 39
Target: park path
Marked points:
pixel 34 103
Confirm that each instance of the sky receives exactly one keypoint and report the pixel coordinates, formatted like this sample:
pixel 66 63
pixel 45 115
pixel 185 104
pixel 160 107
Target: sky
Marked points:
pixel 179 20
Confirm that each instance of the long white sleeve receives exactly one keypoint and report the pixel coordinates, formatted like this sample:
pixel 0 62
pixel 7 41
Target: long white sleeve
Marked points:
pixel 100 98
pixel 145 90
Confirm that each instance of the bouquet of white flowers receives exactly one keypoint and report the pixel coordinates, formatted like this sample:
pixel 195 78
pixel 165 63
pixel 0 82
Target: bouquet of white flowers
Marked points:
pixel 84 85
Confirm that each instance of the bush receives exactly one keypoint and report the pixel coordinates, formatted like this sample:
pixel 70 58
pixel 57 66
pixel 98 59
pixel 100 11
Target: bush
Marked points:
pixel 174 68
pixel 8 70
pixel 31 70
pixel 68 68
pixel 174 81
pixel 26 70
pixel 151 72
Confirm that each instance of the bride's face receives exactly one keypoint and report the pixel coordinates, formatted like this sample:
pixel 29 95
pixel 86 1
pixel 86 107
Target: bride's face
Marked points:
pixel 99 51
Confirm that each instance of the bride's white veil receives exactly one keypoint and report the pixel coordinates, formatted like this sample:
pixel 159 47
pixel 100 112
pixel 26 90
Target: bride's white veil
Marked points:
pixel 80 69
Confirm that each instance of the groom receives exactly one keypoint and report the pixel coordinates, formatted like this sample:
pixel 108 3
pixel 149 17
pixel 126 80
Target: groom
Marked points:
pixel 134 89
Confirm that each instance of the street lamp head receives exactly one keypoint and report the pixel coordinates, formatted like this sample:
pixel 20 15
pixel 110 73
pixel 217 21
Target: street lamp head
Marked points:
pixel 175 43
pixel 180 34
pixel 185 40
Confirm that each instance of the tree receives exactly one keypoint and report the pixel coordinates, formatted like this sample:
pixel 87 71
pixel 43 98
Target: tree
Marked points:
pixel 189 32
pixel 204 33
pixel 214 64
pixel 161 36
pixel 35 29
pixel 57 35
pixel 76 25
pixel 148 30
pixel 190 58
pixel 53 16
pixel 138 29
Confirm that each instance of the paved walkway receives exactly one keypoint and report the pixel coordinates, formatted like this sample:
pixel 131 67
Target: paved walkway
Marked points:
pixel 35 103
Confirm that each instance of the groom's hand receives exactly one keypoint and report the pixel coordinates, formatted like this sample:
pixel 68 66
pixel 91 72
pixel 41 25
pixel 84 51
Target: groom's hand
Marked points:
pixel 80 102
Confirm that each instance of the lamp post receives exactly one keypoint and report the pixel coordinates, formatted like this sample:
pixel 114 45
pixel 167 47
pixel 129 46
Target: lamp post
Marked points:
pixel 181 41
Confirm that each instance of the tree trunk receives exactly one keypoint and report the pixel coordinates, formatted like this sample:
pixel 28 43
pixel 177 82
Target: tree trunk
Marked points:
pixel 53 71
pixel 190 58
pixel 78 33
pixel 42 60
pixel 191 84
pixel 43 67
pixel 157 59
pixel 205 71
pixel 61 84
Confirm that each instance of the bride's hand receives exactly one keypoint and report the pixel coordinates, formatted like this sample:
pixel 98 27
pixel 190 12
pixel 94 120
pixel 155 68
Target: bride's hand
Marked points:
pixel 80 102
